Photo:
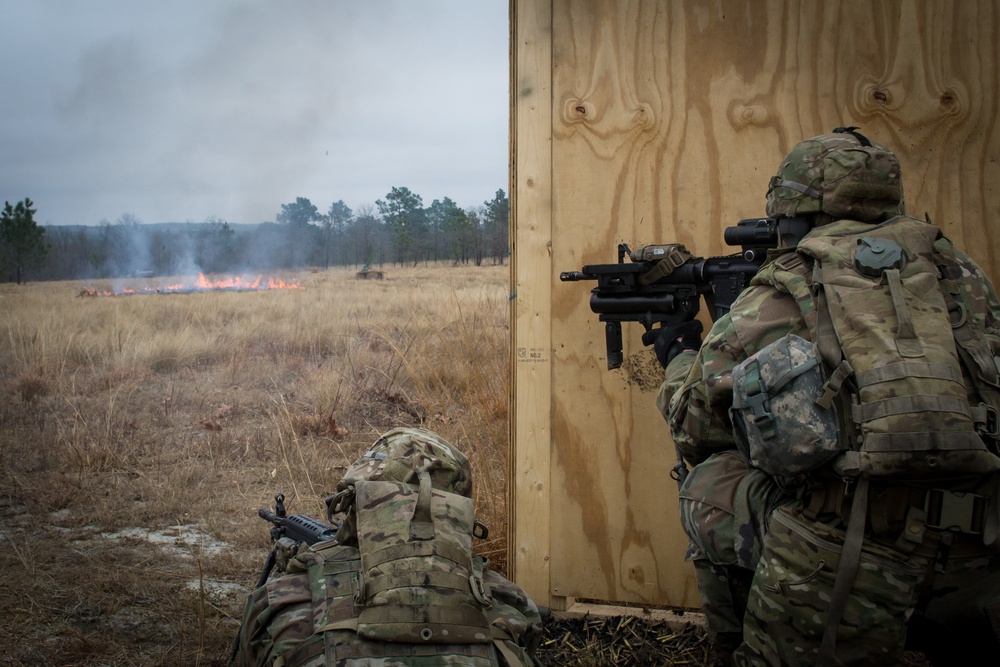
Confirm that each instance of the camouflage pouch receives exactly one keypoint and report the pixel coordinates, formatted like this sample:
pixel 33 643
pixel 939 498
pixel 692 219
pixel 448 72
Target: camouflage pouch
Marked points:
pixel 419 581
pixel 790 597
pixel 776 395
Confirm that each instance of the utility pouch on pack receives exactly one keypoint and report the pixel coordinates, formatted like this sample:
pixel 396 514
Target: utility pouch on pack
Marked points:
pixel 419 582
pixel 333 582
pixel 776 397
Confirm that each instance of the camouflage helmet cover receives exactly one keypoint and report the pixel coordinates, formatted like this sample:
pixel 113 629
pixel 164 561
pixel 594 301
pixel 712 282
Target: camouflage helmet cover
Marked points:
pixel 842 174
pixel 399 455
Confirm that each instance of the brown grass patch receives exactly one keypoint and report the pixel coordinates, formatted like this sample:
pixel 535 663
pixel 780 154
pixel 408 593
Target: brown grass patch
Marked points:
pixel 139 435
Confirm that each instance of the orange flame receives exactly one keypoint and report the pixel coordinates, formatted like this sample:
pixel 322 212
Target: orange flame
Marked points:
pixel 202 284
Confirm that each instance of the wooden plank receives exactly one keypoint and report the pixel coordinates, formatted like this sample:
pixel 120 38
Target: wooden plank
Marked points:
pixel 667 119
pixel 531 279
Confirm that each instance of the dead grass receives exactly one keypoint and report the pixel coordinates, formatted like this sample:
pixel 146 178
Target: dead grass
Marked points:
pixel 139 435
pixel 176 417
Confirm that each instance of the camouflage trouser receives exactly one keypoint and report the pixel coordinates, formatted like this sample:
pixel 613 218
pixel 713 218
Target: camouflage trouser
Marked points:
pixel 787 609
pixel 740 525
pixel 724 507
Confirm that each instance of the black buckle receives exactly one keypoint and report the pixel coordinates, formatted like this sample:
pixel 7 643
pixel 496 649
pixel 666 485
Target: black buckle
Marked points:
pixel 961 512
pixel 992 427
pixel 760 408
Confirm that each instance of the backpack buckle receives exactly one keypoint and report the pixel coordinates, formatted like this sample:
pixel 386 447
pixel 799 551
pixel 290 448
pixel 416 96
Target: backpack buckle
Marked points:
pixel 479 530
pixel 359 588
pixel 481 591
pixel 990 424
pixel 962 512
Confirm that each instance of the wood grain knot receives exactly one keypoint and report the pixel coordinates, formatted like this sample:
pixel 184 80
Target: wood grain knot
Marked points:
pixel 747 115
pixel 953 104
pixel 873 97
pixel 579 111
pixel 643 116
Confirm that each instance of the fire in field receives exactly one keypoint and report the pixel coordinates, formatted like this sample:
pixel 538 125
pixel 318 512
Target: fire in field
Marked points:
pixel 200 284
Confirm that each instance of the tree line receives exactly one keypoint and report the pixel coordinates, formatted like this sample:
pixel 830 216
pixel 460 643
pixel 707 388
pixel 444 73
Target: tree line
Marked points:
pixel 397 229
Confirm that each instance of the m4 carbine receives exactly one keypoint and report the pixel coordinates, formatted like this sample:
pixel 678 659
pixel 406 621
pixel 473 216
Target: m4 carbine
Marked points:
pixel 298 527
pixel 663 284
pixel 289 532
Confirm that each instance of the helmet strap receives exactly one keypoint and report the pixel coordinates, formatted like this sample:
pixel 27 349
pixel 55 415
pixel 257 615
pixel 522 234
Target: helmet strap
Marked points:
pixel 778 182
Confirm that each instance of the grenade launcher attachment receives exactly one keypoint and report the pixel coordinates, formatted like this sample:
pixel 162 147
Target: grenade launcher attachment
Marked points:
pixel 663 284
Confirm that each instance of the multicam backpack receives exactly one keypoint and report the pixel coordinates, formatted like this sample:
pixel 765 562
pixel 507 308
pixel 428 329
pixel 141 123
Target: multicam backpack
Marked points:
pixel 400 584
pixel 894 339
pixel 902 335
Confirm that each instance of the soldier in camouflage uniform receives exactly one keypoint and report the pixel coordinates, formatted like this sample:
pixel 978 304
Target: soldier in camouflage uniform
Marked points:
pixel 398 586
pixel 766 547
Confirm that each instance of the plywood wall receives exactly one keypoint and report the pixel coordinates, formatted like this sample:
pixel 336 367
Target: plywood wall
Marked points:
pixel 661 121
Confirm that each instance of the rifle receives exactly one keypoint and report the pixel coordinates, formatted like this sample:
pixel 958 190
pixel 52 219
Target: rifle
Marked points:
pixel 288 533
pixel 298 528
pixel 663 284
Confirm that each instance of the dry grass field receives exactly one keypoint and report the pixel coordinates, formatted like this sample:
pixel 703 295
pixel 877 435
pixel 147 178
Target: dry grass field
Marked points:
pixel 140 434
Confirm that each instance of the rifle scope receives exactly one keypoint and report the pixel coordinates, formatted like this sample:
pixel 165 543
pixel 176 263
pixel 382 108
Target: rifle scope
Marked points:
pixel 753 233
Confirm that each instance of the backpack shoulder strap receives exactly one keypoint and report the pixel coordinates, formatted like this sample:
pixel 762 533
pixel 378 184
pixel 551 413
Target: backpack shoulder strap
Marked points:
pixel 800 276
pixel 791 273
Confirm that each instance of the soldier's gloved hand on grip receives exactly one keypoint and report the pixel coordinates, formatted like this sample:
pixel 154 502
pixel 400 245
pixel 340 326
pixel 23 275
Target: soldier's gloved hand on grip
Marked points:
pixel 675 339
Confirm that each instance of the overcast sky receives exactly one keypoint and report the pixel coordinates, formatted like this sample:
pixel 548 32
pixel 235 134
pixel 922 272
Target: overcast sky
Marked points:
pixel 180 110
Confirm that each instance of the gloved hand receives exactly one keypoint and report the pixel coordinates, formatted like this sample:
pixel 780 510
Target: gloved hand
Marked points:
pixel 674 339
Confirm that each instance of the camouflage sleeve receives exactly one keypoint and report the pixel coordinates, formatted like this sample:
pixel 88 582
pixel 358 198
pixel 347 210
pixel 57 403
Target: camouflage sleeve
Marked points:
pixel 696 391
pixel 277 618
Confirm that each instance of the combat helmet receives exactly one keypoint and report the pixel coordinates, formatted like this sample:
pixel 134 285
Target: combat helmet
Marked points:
pixel 841 174
pixel 403 455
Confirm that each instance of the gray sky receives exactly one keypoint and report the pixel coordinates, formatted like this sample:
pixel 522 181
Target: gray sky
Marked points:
pixel 180 110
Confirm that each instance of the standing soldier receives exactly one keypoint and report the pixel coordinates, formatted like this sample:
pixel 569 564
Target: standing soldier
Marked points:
pixel 842 424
